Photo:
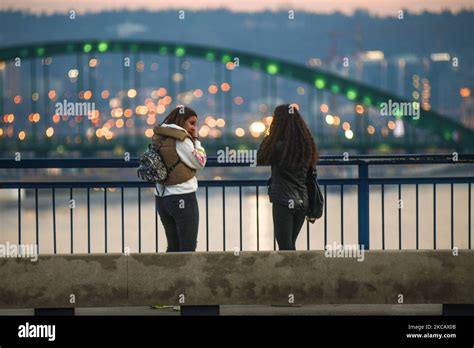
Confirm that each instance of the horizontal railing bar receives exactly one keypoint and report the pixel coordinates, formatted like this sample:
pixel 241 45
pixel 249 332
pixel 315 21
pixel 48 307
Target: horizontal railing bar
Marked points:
pixel 231 183
pixel 442 180
pixel 213 161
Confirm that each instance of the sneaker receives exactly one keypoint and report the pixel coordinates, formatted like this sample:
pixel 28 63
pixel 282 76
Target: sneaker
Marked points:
pixel 160 307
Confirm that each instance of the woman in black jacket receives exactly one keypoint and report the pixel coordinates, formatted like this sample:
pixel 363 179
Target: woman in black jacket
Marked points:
pixel 291 152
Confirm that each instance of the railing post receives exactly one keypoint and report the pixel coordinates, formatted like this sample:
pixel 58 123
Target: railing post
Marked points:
pixel 363 204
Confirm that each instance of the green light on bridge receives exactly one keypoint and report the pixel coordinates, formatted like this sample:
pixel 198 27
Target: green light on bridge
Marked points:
pixel 256 65
pixel 163 50
pixel 40 51
pixel 272 69
pixel 335 88
pixel 87 48
pixel 367 101
pixel 210 56
pixel 225 58
pixel 351 94
pixel 180 51
pixel 103 46
pixel 319 83
pixel 447 135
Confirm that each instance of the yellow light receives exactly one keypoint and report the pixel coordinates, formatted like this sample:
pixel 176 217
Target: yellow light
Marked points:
pixel 52 94
pixel 337 120
pixel 177 77
pixel 98 132
pixel 49 132
pixel 105 94
pixel 128 112
pixel 87 95
pixel 229 65
pixel 220 122
pixel 324 108
pixel 346 126
pixel 17 99
pixel 148 132
pixel 11 118
pixel 240 132
pixel 132 93
pixel 465 92
pixel 198 93
pixel 391 125
pixel 329 119
pixel 109 135
pixel 35 96
pixel 225 87
pixel 119 123
pixel 268 120
pixel 22 135
pixel 212 89
pixel 349 134
pixel 204 131
pixel 93 62
pixel 238 100
pixel 370 130
pixel 167 100
pixel 359 109
pixel 151 121
pixel 1 132
pixel 162 92
pixel 160 109
pixel 114 102
pixel 36 117
pixel 300 90
pixel 257 127
pixel 73 73
pixel 210 121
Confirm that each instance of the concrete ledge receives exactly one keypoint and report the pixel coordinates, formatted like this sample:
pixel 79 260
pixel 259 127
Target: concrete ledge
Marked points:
pixel 265 277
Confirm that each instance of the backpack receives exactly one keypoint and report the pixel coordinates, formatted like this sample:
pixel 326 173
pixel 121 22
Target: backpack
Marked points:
pixel 152 168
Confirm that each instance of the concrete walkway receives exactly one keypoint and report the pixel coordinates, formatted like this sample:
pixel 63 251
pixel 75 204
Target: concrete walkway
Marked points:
pixel 325 310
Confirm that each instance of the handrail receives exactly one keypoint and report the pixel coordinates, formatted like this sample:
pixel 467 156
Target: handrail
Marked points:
pixel 213 161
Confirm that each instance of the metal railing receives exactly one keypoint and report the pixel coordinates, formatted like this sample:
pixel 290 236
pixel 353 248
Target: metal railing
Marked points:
pixel 363 182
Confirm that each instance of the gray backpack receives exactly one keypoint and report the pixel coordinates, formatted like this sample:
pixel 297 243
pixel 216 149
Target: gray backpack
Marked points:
pixel 152 168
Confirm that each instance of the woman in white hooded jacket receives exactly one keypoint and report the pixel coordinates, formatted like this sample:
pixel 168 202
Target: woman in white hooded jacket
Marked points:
pixel 177 142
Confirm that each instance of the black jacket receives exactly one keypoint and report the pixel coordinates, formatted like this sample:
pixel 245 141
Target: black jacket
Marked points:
pixel 287 186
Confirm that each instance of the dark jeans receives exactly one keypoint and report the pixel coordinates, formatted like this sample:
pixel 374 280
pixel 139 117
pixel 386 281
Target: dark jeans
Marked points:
pixel 180 217
pixel 287 224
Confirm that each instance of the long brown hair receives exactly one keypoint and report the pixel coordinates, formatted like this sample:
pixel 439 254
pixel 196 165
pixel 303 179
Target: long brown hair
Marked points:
pixel 179 115
pixel 289 141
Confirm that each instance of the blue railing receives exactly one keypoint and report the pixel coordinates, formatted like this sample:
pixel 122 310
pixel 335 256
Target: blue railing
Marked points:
pixel 363 182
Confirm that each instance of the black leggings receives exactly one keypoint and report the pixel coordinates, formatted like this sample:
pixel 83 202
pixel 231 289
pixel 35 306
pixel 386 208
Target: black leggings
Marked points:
pixel 287 224
pixel 180 217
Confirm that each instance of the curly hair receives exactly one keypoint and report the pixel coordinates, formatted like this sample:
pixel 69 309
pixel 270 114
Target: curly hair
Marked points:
pixel 289 142
pixel 179 115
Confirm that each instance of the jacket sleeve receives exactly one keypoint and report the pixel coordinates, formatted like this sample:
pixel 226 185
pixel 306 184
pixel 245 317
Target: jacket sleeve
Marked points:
pixel 192 154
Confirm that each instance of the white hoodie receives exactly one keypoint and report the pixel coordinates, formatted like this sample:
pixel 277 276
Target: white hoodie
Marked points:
pixel 194 156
